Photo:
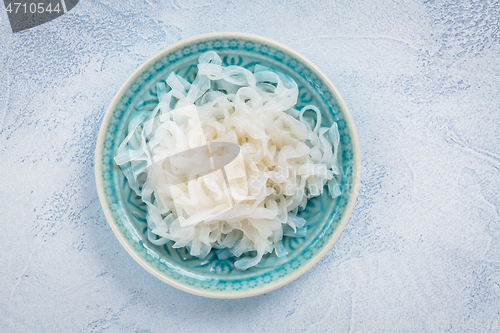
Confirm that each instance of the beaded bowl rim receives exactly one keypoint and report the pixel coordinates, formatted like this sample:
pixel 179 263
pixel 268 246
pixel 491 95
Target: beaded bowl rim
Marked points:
pixel 317 256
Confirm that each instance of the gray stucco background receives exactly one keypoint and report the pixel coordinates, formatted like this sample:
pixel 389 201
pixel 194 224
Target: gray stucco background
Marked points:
pixel 422 81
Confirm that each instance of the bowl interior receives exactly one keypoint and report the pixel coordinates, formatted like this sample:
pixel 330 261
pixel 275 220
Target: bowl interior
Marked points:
pixel 127 214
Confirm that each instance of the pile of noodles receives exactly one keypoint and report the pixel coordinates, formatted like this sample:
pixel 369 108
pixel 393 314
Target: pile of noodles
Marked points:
pixel 285 158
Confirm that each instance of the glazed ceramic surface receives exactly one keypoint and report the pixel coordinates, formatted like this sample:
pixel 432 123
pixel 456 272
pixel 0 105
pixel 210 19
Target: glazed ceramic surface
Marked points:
pixel 326 218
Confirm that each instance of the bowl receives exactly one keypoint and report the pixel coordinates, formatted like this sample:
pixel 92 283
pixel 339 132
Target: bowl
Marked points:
pixel 126 213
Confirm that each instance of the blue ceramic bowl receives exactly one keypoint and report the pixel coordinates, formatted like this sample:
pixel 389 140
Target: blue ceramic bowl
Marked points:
pixel 210 277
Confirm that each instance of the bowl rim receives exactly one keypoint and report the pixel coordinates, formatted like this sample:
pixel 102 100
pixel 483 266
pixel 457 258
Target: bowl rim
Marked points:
pixel 302 269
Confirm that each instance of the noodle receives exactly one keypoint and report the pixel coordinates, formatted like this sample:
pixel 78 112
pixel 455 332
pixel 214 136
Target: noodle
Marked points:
pixel 228 162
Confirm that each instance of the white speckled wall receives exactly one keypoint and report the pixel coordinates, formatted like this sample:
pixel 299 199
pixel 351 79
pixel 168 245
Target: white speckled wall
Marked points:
pixel 421 251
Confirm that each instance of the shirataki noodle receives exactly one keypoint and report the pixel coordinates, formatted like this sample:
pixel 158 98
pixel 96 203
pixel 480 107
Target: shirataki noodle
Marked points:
pixel 284 158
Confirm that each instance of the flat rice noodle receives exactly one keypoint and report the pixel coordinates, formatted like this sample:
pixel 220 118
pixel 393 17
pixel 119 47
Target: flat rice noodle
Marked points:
pixel 286 158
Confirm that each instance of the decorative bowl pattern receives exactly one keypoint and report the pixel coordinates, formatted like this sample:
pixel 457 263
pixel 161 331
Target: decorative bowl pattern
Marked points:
pixel 210 277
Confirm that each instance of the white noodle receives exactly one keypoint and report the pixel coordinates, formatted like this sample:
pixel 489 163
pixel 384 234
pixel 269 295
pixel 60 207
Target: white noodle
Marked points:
pixel 286 158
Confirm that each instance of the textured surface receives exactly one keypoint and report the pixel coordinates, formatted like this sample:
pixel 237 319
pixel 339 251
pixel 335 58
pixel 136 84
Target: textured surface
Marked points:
pixel 422 80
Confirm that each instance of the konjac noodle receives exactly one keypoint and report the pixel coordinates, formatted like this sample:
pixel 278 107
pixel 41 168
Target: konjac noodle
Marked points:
pixel 228 161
